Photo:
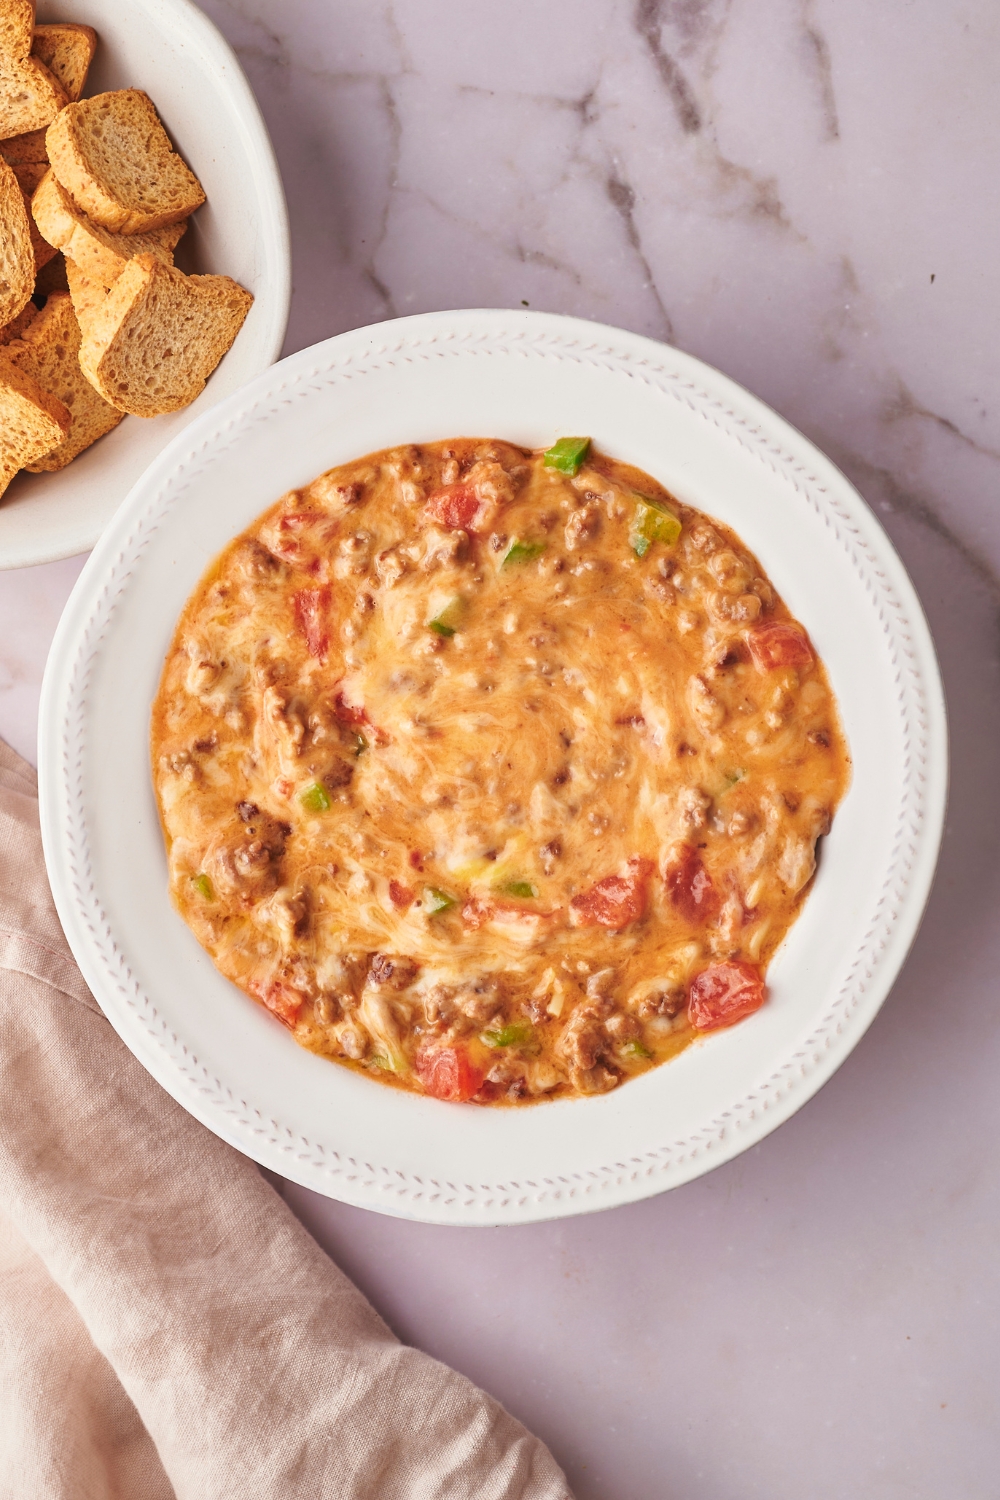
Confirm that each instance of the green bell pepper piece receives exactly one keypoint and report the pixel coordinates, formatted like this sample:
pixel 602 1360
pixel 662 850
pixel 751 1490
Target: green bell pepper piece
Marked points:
pixel 567 454
pixel 435 900
pixel 652 522
pixel 514 1035
pixel 522 551
pixel 315 798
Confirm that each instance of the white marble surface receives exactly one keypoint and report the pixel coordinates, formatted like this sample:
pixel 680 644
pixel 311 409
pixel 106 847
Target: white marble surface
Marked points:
pixel 802 192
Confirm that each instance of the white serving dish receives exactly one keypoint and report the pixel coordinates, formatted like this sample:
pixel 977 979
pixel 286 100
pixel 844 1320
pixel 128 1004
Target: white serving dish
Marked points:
pixel 173 52
pixel 527 377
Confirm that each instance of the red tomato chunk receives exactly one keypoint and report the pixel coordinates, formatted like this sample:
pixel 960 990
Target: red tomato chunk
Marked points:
pixel 449 1073
pixel 779 645
pixel 689 886
pixel 400 895
pixel 281 1000
pixel 349 713
pixel 458 507
pixel 616 901
pixel 724 994
pixel 310 615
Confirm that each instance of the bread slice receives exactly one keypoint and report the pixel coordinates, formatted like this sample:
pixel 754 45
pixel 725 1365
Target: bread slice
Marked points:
pixel 114 158
pixel 29 174
pixel 99 254
pixel 21 148
pixel 15 328
pixel 67 50
pixel 51 278
pixel 32 422
pixel 88 295
pixel 152 344
pixel 30 97
pixel 17 259
pixel 50 352
pixel 17 26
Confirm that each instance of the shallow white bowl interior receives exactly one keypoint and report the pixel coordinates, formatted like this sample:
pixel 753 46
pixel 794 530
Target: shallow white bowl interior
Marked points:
pixel 526 377
pixel 173 52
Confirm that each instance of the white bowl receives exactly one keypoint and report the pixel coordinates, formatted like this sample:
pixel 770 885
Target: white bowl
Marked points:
pixel 173 52
pixel 526 377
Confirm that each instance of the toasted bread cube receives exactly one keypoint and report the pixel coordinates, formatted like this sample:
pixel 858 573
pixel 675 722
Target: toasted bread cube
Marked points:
pixel 67 50
pixel 49 351
pixel 115 160
pixel 100 255
pixel 151 345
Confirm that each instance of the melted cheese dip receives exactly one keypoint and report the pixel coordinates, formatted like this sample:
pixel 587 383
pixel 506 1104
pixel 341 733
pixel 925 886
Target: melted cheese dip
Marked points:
pixel 497 775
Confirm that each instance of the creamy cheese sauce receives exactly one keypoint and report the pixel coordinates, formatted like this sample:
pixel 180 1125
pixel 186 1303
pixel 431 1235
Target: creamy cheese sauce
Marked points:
pixel 494 774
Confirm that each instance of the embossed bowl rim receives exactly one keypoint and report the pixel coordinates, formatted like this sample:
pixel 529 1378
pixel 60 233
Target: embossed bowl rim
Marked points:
pixel 528 377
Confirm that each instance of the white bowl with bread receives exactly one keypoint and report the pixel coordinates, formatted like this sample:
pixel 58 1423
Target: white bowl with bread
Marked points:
pixel 144 254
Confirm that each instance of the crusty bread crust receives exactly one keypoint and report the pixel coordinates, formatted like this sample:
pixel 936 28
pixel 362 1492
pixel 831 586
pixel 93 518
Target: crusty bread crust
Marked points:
pixel 114 158
pixel 29 174
pixel 152 343
pixel 17 259
pixel 49 351
pixel 67 50
pixel 88 295
pixel 100 255
pixel 31 421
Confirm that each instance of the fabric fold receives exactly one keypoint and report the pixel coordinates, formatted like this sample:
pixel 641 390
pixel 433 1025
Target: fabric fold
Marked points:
pixel 192 1338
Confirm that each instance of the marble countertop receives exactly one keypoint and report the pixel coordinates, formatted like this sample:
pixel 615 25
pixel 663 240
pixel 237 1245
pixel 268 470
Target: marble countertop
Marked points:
pixel 803 193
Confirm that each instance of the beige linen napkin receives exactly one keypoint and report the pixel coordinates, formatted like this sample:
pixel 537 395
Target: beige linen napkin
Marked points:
pixel 167 1327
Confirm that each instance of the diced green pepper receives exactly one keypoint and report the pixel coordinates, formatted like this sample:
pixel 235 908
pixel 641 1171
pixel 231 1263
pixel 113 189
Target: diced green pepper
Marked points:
pixel 652 522
pixel 448 618
pixel 522 551
pixel 315 798
pixel 636 1049
pixel 523 888
pixel 203 886
pixel 435 900
pixel 514 1035
pixel 361 745
pixel 567 454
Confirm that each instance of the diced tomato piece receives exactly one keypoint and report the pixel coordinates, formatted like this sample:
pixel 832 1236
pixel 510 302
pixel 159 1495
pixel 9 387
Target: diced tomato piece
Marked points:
pixel 310 615
pixel 616 901
pixel 689 885
pixel 478 910
pixel 449 1073
pixel 458 507
pixel 400 895
pixel 281 1000
pixel 349 713
pixel 779 645
pixel 723 994
pixel 297 535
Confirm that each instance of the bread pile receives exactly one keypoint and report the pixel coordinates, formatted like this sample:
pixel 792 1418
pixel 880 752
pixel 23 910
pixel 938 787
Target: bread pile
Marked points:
pixel 95 318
